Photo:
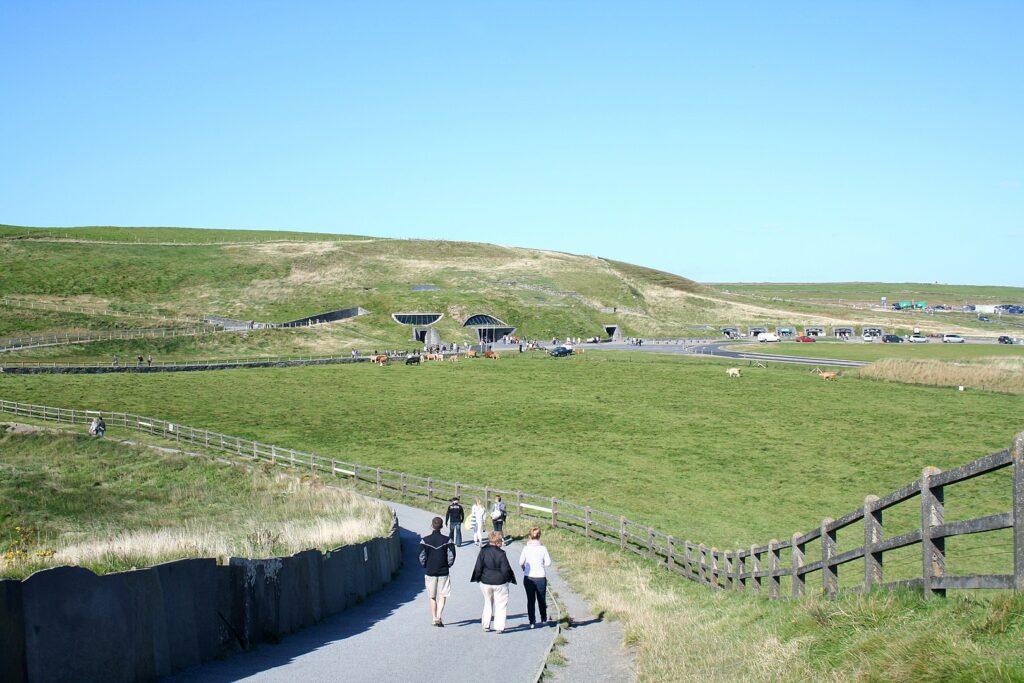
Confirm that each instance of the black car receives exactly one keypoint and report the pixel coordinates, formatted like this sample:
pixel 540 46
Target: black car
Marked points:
pixel 560 351
pixel 1005 340
pixel 892 339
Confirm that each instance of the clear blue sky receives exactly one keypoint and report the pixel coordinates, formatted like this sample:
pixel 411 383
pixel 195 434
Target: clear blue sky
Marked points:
pixel 777 141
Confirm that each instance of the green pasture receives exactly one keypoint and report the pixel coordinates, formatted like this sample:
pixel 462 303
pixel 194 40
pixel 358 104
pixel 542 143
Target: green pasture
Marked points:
pixel 176 235
pixel 871 292
pixel 21 322
pixel 667 441
pixel 935 350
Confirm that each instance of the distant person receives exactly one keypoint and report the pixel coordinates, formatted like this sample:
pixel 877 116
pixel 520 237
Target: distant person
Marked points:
pixel 498 516
pixel 149 361
pixel 453 519
pixel 437 555
pixel 114 362
pixel 533 560
pixel 97 427
pixel 493 573
pixel 476 521
pixel 138 361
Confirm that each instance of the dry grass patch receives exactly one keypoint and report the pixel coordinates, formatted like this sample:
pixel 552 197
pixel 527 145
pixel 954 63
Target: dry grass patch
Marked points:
pixel 1001 374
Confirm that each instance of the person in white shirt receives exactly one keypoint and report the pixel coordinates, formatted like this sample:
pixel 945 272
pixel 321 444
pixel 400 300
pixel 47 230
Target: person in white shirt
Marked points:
pixel 476 520
pixel 533 560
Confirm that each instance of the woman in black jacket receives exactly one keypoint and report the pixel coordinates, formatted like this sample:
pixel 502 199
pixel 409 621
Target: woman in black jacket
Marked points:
pixel 494 573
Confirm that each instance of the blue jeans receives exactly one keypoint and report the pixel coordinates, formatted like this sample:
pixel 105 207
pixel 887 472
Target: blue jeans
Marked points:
pixel 536 592
pixel 456 530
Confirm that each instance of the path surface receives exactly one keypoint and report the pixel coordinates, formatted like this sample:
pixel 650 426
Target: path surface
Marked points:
pixel 389 637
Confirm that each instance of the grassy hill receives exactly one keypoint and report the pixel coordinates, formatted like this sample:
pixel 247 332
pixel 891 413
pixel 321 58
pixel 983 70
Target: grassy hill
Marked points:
pixel 276 276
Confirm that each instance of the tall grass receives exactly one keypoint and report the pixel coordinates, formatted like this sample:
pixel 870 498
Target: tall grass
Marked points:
pixel 1001 374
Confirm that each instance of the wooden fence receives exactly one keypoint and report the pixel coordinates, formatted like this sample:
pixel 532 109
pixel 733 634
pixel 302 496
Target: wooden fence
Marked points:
pixel 35 341
pixel 758 569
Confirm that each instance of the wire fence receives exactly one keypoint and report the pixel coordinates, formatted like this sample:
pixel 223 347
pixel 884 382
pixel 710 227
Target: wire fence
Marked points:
pixel 757 569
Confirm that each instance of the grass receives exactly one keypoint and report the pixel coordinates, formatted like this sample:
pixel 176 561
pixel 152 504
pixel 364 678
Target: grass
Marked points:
pixel 158 235
pixel 877 351
pixel 871 292
pixel 987 374
pixel 108 506
pixel 22 322
pixel 681 631
pixel 669 442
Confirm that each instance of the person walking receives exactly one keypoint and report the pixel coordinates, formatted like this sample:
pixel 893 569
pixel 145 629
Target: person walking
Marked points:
pixel 437 555
pixel 476 521
pixel 498 517
pixel 533 559
pixel 149 361
pixel 453 519
pixel 493 572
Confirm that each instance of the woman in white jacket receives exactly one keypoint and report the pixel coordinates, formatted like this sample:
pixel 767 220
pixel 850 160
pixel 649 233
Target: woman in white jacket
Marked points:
pixel 533 560
pixel 476 520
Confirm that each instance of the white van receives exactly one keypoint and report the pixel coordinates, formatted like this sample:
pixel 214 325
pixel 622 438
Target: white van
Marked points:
pixel 952 339
pixel 767 337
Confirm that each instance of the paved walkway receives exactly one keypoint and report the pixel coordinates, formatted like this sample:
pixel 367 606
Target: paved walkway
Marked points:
pixel 389 637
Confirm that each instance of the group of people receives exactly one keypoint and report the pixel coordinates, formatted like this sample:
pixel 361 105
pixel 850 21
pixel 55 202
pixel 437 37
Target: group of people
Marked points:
pixel 139 360
pixel 98 427
pixel 492 571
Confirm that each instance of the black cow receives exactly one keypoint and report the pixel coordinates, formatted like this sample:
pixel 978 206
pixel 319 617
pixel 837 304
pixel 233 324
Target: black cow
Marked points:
pixel 412 360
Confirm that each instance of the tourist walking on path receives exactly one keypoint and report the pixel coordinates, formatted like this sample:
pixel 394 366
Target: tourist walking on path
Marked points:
pixel 498 516
pixel 476 520
pixel 453 519
pixel 437 555
pixel 493 573
pixel 533 560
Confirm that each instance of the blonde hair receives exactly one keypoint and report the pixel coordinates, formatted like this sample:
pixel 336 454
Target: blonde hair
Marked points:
pixel 535 533
pixel 495 538
pixel 478 502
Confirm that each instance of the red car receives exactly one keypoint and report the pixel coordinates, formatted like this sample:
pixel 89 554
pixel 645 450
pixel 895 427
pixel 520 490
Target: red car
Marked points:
pixel 805 338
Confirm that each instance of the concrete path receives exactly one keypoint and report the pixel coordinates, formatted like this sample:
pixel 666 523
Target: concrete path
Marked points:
pixel 389 637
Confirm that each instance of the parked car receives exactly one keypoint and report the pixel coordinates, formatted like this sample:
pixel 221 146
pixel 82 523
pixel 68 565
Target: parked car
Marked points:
pixel 918 339
pixel 804 338
pixel 952 339
pixel 892 339
pixel 868 337
pixel 560 352
pixel 1005 340
pixel 767 337
pixel 983 318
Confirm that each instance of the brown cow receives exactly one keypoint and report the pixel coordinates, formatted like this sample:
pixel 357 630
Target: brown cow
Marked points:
pixel 493 355
pixel 733 372
pixel 453 359
pixel 829 376
pixel 380 360
pixel 471 354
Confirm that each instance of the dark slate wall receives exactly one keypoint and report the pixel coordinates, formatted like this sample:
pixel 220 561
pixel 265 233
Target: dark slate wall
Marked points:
pixel 67 623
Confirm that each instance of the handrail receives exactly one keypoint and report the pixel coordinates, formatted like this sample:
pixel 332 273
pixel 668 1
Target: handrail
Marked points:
pixel 739 569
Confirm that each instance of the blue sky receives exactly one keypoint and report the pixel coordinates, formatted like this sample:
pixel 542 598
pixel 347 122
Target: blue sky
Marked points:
pixel 796 141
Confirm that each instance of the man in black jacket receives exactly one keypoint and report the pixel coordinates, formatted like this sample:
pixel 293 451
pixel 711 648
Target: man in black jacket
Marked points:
pixel 437 554
pixel 453 520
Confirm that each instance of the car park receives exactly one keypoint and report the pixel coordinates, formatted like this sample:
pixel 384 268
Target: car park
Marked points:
pixel 918 339
pixel 560 352
pixel 952 339
pixel 806 339
pixel 892 339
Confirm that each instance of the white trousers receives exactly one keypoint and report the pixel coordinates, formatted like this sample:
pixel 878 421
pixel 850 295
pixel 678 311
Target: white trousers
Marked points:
pixel 496 602
pixel 478 534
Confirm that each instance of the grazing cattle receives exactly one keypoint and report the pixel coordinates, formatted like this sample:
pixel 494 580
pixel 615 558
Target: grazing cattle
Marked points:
pixel 493 355
pixel 380 360
pixel 412 360
pixel 829 376
pixel 471 354
pixel 453 359
pixel 733 372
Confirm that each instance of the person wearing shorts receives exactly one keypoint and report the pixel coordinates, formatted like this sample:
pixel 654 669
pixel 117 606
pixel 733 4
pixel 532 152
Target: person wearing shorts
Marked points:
pixel 437 555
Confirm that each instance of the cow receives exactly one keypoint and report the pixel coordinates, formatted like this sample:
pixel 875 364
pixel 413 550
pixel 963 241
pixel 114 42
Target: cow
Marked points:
pixel 471 354
pixel 829 376
pixel 380 360
pixel 412 360
pixel 494 355
pixel 733 372
pixel 453 359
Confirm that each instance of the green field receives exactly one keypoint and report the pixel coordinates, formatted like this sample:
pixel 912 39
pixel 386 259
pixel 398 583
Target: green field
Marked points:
pixel 670 442
pixel 156 235
pixel 871 292
pixel 877 351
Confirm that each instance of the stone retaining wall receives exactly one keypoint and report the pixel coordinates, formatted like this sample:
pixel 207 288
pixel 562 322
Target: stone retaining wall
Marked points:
pixel 68 624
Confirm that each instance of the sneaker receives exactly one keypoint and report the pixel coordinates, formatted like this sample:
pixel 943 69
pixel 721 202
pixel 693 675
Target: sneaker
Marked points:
pixel 439 623
pixel 533 625
pixel 433 622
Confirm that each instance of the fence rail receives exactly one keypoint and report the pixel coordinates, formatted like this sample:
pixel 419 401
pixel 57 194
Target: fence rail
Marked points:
pixel 68 308
pixel 34 341
pixel 757 569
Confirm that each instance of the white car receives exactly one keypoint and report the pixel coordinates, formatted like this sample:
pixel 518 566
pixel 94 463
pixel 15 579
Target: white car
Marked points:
pixel 767 337
pixel 952 339
pixel 917 339
pixel 868 337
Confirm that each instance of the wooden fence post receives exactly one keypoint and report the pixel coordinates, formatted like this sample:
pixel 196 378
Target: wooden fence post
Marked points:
pixel 739 565
pixel 651 547
pixel 670 553
pixel 688 559
pixel 1018 512
pixel 554 512
pixel 430 489
pixel 519 502
pixel 622 533
pixel 586 520
pixel 458 490
pixel 701 567
pixel 378 481
pixel 933 550
pixel 799 580
pixel 755 567
pixel 829 573
pixel 402 478
pixel 714 567
pixel 872 537
pixel 487 500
